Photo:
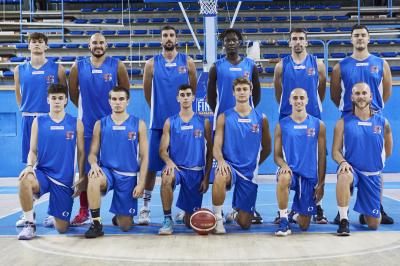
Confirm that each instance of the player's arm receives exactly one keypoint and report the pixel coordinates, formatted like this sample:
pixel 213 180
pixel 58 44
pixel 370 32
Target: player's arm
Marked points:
pixel 80 143
pixel 62 77
pixel 319 191
pixel 212 88
pixel 209 156
pixel 144 160
pixel 278 152
pixel 32 155
pixel 321 79
pixel 123 78
pixel 192 74
pixel 18 96
pixel 278 81
pixel 337 148
pixel 256 86
pixel 386 82
pixel 265 140
pixel 336 89
pixel 170 166
pixel 222 166
pixel 74 84
pixel 148 80
pixel 388 139
pixel 95 169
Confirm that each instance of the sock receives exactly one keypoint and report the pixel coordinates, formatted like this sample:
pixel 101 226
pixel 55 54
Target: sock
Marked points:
pixel 95 213
pixel 283 213
pixel 146 198
pixel 167 214
pixel 83 200
pixel 319 203
pixel 29 216
pixel 343 212
pixel 295 216
pixel 218 211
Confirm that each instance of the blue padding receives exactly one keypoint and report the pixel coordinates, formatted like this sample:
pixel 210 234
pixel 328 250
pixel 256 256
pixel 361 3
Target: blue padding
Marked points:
pixel 395 68
pixel 53 58
pixel 342 17
pixel 389 54
pixel 142 20
pixel 56 45
pixel 116 9
pixel 139 32
pixel 91 32
pixel 199 57
pixel 329 29
pixel 270 56
pixel 21 46
pixel 269 70
pixel 96 21
pixel 72 45
pixel 148 9
pixel 250 30
pixel 335 42
pixel 310 18
pixel 345 29
pixel 134 71
pixel 123 32
pixel 163 9
pixel 185 31
pixel 249 19
pixel 154 31
pixel 80 21
pixel 8 74
pixel 221 19
pixel 172 20
pixel 119 57
pixel 86 10
pixel 108 32
pixel 282 42
pixel 280 18
pixel 77 32
pixel 121 44
pixel 282 30
pixel 153 44
pixel 157 20
pixel 297 18
pixel 326 17
pixel 68 58
pixel 314 42
pixel 265 18
pixel 138 44
pixel 111 20
pixel 314 29
pixel 266 30
pixel 17 59
pixel 283 55
pixel 135 57
pixel 85 45
pixel 102 9
pixel 319 55
pixel 383 41
pixel 338 55
pixel 147 57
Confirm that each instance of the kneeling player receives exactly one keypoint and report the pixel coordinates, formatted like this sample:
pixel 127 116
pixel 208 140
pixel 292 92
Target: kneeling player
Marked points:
pixel 362 141
pixel 117 138
pixel 242 141
pixel 183 149
pixel 300 153
pixel 54 138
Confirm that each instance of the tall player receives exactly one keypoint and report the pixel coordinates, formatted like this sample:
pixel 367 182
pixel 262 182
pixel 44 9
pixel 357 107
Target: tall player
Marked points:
pixel 242 141
pixel 50 168
pixel 121 141
pixel 163 74
pixel 90 81
pixel 300 153
pixel 31 82
pixel 362 141
pixel 361 66
pixel 301 70
pixel 183 149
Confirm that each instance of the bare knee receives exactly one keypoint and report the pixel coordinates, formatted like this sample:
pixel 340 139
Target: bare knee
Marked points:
pixel 222 180
pixel 345 179
pixel 167 180
pixel 244 219
pixel 304 222
pixel 61 225
pixel 372 222
pixel 284 180
pixel 124 223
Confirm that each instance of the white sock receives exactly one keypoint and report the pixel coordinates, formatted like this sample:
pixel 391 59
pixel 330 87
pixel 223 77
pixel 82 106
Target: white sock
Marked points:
pixel 29 216
pixel 343 212
pixel 295 216
pixel 283 213
pixel 218 211
pixel 147 198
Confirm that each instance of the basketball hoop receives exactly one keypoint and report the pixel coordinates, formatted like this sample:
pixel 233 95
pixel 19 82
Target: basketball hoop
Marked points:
pixel 208 8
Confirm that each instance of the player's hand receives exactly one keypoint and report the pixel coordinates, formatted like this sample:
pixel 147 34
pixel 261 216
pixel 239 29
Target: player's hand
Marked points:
pixel 77 187
pixel 285 169
pixel 28 170
pixel 319 192
pixel 138 191
pixel 170 168
pixel 95 171
pixel 344 168
pixel 223 168
pixel 204 185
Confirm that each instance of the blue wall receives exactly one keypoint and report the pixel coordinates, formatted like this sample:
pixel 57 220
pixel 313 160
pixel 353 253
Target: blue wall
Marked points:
pixel 10 124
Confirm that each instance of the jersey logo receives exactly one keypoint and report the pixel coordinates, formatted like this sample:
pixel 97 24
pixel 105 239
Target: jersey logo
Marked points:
pixel 97 71
pixel 197 133
pixel 362 64
pixel 132 210
pixel 310 208
pixel 56 127
pixel 255 128
pixel 107 77
pixel 244 120
pixel 299 67
pixel 131 135
pixel 182 69
pixel 65 213
pixel 69 135
pixel 311 71
pixel 366 124
pixel 50 79
pixel 300 126
pixel 119 128
pixel 38 72
pixel 235 69
pixel 170 64
pixel 377 129
pixel 375 211
pixel 187 127
pixel 374 69
pixel 310 132
pixel 246 74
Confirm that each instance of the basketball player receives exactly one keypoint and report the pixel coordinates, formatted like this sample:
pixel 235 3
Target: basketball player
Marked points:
pixel 117 138
pixel 300 153
pixel 362 141
pixel 242 141
pixel 183 149
pixel 50 168
pixel 361 66
pixel 90 81
pixel 31 82
pixel 301 70
pixel 163 74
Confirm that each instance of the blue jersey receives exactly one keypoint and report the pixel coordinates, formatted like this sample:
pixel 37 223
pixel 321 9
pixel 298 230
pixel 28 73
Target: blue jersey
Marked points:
pixel 167 77
pixel 305 76
pixel 56 148
pixel 226 74
pixel 300 145
pixel 119 144
pixel 364 146
pixel 370 71
pixel 94 86
pixel 242 141
pixel 187 142
pixel 33 86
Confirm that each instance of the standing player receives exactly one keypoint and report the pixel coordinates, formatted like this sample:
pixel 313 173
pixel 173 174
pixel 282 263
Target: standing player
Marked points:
pixel 90 81
pixel 31 82
pixel 300 153
pixel 183 149
pixel 163 74
pixel 50 168
pixel 242 141
pixel 301 70
pixel 362 141
pixel 117 138
pixel 361 66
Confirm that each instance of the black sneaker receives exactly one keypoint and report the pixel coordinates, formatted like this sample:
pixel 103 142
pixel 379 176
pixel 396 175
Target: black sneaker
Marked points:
pixel 277 218
pixel 257 219
pixel 115 220
pixel 385 218
pixel 95 230
pixel 361 219
pixel 290 217
pixel 320 217
pixel 343 229
pixel 337 218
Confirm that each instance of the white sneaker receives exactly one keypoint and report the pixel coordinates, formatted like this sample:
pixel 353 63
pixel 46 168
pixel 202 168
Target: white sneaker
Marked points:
pixel 219 227
pixel 49 221
pixel 28 232
pixel 231 217
pixel 21 222
pixel 144 216
pixel 179 217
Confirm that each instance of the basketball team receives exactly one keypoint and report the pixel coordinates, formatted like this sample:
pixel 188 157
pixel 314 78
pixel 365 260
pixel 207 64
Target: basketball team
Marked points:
pixel 113 152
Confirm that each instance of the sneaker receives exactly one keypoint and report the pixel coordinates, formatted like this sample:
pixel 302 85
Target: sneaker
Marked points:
pixel 343 229
pixel 320 217
pixel 81 218
pixel 385 219
pixel 290 217
pixel 167 227
pixel 219 227
pixel 277 218
pixel 49 221
pixel 144 216
pixel 95 230
pixel 284 228
pixel 231 217
pixel 180 218
pixel 257 219
pixel 21 222
pixel 361 219
pixel 337 218
pixel 114 220
pixel 28 232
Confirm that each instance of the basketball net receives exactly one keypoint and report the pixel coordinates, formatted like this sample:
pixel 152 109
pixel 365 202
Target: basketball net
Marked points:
pixel 208 7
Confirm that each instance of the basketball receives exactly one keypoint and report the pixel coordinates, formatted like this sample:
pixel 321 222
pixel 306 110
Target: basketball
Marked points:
pixel 203 221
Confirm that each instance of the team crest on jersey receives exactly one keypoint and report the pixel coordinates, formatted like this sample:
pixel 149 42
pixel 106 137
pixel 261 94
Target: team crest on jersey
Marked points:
pixel 255 128
pixel 197 133
pixel 107 77
pixel 131 135
pixel 182 69
pixel 310 132
pixel 50 79
pixel 377 129
pixel 311 71
pixel 374 69
pixel 69 135
pixel 246 74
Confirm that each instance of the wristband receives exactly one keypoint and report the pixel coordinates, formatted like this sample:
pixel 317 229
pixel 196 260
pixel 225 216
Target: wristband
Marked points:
pixel 29 165
pixel 342 162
